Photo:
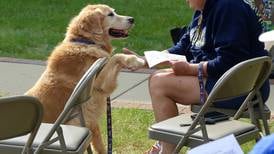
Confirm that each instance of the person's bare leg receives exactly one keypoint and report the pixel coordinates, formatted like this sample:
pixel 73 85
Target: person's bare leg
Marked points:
pixel 165 90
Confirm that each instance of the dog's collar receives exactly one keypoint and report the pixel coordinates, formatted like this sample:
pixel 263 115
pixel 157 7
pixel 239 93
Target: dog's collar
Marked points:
pixel 82 40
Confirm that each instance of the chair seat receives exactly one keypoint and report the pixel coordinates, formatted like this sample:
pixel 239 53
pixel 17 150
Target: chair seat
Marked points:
pixel 74 137
pixel 171 127
pixel 266 111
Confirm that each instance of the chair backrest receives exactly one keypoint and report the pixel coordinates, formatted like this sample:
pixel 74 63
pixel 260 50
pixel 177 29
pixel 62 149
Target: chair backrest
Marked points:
pixel 242 79
pixel 80 94
pixel 245 78
pixel 82 90
pixel 20 115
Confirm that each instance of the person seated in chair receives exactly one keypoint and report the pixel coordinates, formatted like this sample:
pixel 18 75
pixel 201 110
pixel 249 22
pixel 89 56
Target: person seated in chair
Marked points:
pixel 221 34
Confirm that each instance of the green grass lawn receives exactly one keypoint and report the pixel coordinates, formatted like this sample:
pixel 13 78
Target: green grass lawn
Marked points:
pixel 31 28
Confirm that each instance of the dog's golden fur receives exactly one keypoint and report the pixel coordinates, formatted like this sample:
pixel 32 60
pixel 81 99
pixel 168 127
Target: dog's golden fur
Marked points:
pixel 88 38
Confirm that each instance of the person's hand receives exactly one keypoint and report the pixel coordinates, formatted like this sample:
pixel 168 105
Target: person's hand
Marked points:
pixel 181 67
pixel 130 52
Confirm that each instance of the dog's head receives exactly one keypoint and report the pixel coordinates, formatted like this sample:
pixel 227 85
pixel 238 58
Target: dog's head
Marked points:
pixel 100 23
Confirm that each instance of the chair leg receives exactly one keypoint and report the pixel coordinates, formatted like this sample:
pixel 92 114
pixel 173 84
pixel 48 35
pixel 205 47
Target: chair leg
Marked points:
pixel 266 126
pixel 259 136
pixel 89 150
pixel 262 114
pixel 251 114
pixel 264 120
pixel 258 124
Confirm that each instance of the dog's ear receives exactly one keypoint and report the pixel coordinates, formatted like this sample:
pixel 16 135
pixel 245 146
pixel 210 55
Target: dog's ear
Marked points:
pixel 91 23
pixel 95 22
pixel 88 23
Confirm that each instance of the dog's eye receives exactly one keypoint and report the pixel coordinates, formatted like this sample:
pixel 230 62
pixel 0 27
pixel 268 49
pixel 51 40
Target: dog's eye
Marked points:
pixel 111 14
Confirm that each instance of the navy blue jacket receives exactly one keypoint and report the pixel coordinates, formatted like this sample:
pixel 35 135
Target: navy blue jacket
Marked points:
pixel 229 34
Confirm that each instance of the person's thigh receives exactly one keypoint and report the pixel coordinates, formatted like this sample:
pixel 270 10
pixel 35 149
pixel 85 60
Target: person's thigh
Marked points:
pixel 181 89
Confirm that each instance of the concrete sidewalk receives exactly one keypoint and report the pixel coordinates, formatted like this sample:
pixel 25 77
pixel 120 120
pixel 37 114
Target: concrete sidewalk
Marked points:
pixel 18 75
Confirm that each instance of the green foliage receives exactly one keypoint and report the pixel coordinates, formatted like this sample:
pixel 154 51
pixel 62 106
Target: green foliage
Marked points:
pixel 32 28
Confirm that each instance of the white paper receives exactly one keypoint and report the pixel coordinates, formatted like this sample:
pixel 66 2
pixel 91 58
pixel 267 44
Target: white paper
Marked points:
pixel 156 57
pixel 267 36
pixel 225 145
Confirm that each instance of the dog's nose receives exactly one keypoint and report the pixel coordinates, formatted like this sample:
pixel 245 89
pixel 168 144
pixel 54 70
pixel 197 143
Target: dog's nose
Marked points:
pixel 131 20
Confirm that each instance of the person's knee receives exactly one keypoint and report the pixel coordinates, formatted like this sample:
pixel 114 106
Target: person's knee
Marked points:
pixel 156 83
pixel 154 80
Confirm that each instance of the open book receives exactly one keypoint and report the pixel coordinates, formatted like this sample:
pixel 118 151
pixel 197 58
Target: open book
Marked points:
pixel 154 58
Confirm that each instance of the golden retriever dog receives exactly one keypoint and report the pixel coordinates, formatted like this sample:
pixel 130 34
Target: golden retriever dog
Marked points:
pixel 88 38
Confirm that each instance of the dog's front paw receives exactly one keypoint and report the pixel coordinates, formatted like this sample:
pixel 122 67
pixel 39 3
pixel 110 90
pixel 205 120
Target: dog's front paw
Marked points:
pixel 134 62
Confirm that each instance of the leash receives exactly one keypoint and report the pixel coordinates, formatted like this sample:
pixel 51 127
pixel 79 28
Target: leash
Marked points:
pixel 130 88
pixel 109 118
pixel 201 83
pixel 109 126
